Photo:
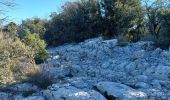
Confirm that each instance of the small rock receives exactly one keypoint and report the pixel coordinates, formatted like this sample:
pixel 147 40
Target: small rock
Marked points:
pixel 141 85
pixel 111 43
pixel 156 84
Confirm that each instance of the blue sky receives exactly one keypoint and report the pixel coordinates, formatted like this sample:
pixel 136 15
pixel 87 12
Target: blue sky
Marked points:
pixel 34 8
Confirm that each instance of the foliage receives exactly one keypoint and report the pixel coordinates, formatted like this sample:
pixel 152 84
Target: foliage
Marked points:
pixel 38 45
pixel 127 20
pixel 12 29
pixel 34 25
pixel 16 59
pixel 78 21
pixel 121 15
pixel 158 21
pixel 90 18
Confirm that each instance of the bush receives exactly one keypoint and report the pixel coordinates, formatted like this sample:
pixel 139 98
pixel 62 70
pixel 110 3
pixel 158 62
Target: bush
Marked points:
pixel 16 59
pixel 38 46
pixel 41 78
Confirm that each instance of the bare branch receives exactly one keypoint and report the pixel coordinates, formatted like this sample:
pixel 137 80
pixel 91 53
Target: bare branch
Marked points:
pixel 3 5
pixel 7 3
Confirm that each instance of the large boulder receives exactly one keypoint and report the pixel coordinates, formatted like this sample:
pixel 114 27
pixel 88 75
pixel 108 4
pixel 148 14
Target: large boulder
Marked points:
pixel 71 93
pixel 119 91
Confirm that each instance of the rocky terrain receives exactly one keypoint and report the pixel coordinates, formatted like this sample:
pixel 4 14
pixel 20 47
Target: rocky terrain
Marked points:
pixel 100 69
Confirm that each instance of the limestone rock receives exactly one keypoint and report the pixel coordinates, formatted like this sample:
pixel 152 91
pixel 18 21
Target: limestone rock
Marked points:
pixel 71 93
pixel 120 91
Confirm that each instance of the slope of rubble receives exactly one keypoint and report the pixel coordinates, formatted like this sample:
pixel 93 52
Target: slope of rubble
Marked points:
pixel 100 69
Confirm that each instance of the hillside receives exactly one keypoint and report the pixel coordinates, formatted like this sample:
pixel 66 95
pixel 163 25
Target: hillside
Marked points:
pixel 100 69
pixel 85 50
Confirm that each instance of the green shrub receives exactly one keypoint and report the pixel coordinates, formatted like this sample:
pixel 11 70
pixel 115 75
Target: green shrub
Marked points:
pixel 16 59
pixel 38 45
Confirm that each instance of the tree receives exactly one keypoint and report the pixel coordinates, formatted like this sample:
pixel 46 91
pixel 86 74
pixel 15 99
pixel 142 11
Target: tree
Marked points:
pixel 120 15
pixel 77 21
pixel 16 59
pixel 7 3
pixel 12 29
pixel 35 25
pixel 157 21
pixel 154 13
pixel 38 46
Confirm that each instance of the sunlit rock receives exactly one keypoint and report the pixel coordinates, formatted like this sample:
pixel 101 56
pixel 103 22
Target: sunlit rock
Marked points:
pixel 120 91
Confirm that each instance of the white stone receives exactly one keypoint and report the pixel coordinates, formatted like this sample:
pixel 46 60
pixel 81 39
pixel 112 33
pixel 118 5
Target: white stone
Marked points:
pixel 29 98
pixel 56 57
pixel 120 91
pixel 72 93
pixel 90 95
pixel 34 98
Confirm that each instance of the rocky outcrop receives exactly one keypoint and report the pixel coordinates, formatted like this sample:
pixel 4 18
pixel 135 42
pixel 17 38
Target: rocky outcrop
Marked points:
pixel 100 69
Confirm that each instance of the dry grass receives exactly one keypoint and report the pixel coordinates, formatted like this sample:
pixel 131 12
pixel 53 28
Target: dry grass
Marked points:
pixel 41 77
